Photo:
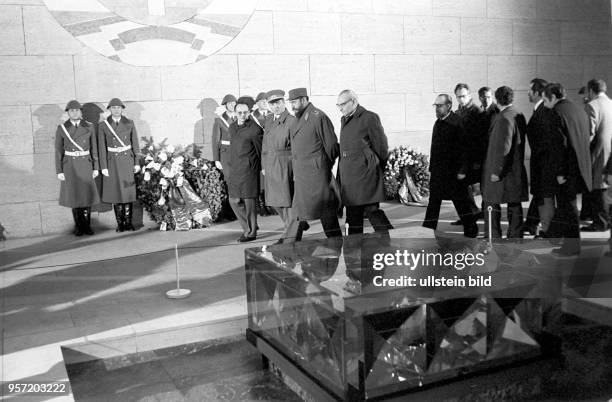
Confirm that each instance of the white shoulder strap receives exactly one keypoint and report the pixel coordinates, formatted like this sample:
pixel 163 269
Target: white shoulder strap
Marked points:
pixel 114 133
pixel 225 121
pixel 256 121
pixel 80 148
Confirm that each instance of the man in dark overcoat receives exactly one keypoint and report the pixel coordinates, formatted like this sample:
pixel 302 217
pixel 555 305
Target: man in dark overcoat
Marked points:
pixel 505 177
pixel 571 164
pixel 448 166
pixel 470 114
pixel 363 155
pixel 76 166
pixel 119 149
pixel 259 115
pixel 314 149
pixel 276 159
pixel 244 168
pixel 538 138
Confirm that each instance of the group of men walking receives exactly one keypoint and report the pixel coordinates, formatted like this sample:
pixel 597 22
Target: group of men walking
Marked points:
pixel 484 147
pixel 295 154
pixel 80 157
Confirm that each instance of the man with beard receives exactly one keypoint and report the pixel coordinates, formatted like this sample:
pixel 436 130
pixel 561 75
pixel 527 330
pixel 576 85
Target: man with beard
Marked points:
pixel 244 168
pixel 571 163
pixel 448 165
pixel 314 149
pixel 504 177
pixel 276 159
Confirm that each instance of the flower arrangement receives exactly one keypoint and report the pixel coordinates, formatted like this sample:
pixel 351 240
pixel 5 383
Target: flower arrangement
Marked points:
pixel 178 188
pixel 404 160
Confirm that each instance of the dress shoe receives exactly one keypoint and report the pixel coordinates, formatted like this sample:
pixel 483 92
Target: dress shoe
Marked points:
pixel 565 253
pixel 592 228
pixel 528 228
pixel 244 239
pixel 457 223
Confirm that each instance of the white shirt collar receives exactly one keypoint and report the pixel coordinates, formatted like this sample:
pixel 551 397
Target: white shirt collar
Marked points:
pixel 502 108
pixel 538 103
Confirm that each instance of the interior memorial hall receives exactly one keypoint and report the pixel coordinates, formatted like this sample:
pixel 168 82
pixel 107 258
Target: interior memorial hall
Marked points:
pixel 143 256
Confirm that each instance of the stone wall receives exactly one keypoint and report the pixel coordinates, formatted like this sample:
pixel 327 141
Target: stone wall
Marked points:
pixel 396 54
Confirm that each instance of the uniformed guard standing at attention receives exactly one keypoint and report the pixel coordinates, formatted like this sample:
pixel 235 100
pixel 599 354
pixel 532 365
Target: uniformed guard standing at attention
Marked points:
pixel 314 149
pixel 76 165
pixel 363 156
pixel 276 159
pixel 220 134
pixel 118 142
pixel 244 168
pixel 262 110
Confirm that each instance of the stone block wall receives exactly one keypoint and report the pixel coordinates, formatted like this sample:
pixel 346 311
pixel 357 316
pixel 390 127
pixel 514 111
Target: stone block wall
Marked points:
pixel 397 55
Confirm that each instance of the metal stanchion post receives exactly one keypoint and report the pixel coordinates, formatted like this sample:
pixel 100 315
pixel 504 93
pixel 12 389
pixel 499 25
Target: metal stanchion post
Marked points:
pixel 346 229
pixel 489 211
pixel 177 293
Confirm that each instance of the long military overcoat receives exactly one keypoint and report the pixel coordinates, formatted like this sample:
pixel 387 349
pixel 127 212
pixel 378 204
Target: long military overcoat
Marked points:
pixel 245 159
pixel 79 189
pixel 542 143
pixel 314 148
pixel 276 160
pixel 363 154
pixel 505 158
pixel 120 185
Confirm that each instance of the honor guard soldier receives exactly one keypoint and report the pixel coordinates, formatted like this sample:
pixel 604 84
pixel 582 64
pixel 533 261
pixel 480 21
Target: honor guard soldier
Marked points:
pixel 314 149
pixel 244 168
pixel 261 111
pixel 220 133
pixel 76 165
pixel 118 142
pixel 276 159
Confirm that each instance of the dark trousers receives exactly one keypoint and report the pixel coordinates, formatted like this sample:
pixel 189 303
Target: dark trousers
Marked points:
pixel 597 207
pixel 567 219
pixel 473 207
pixel 286 215
pixel 376 216
pixel 329 221
pixel 463 208
pixel 246 212
pixel 515 220
pixel 533 214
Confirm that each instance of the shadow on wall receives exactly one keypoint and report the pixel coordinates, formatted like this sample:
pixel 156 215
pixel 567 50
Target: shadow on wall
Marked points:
pixel 202 130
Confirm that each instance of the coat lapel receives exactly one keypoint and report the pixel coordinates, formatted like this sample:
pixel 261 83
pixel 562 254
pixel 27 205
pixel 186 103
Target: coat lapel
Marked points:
pixel 301 122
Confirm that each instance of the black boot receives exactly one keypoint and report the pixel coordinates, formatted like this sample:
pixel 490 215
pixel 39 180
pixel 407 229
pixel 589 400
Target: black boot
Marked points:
pixel 127 217
pixel 87 221
pixel 118 208
pixel 77 222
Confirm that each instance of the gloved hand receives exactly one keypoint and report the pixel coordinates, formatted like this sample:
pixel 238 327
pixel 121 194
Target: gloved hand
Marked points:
pixel 95 174
pixel 105 172
pixel 61 176
pixel 136 168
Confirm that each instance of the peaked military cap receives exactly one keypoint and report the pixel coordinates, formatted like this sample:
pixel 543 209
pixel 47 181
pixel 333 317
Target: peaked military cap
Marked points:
pixel 297 93
pixel 115 102
pixel 228 98
pixel 260 96
pixel 275 94
pixel 246 100
pixel 73 104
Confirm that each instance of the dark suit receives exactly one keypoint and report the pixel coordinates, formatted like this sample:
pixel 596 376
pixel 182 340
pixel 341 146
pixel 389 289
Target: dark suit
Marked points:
pixel 449 157
pixel 505 159
pixel 363 155
pixel 537 135
pixel 472 124
pixel 571 160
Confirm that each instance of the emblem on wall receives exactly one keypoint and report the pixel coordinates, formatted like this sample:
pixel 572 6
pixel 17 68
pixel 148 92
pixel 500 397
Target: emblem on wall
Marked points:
pixel 153 32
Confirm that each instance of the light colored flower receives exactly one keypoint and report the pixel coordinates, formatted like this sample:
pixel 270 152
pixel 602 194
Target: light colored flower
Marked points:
pixel 151 147
pixel 194 162
pixel 149 158
pixel 170 148
pixel 178 160
pixel 218 165
pixel 163 182
pixel 147 176
pixel 161 201
pixel 167 172
pixel 163 156
pixel 156 166
pixel 179 181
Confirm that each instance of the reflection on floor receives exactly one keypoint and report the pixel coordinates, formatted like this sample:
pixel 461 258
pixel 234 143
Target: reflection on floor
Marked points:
pixel 230 369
